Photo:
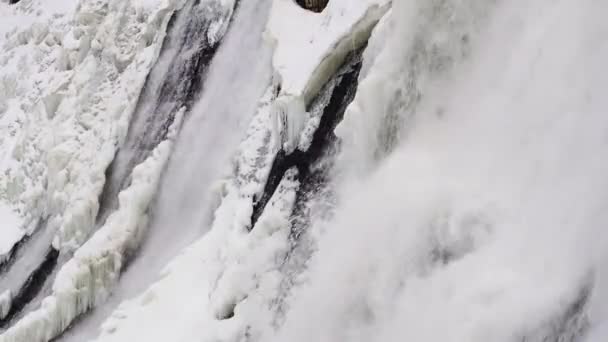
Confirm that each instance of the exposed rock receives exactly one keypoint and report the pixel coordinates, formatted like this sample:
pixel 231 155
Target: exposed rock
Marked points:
pixel 313 5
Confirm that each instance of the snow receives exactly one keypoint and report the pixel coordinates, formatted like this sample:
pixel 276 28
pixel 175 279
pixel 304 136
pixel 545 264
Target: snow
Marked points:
pixel 69 79
pixel 192 184
pixel 234 268
pixel 23 28
pixel 86 279
pixel 310 46
pixel 228 268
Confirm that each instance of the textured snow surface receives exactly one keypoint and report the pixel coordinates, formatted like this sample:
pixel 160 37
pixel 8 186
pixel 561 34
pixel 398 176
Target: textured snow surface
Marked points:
pixel 310 46
pixel 18 22
pixel 70 76
pixel 86 279
pixel 69 81
pixel 473 205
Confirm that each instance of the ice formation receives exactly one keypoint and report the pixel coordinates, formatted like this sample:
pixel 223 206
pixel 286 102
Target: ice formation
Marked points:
pixel 381 170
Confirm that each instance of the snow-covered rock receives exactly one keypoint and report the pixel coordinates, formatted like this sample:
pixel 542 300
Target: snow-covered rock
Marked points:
pixel 90 275
pixel 310 46
pixel 70 78
pixel 233 271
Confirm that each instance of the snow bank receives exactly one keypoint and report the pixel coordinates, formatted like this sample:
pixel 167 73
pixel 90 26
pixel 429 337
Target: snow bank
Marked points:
pixel 309 46
pixel 477 223
pixel 10 232
pixel 70 76
pixel 223 286
pixel 89 276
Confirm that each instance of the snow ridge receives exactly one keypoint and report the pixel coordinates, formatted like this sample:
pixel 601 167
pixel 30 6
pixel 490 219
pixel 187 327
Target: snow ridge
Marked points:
pixel 70 80
pixel 86 279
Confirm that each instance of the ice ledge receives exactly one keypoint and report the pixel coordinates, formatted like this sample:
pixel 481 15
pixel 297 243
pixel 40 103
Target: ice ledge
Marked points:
pixel 309 47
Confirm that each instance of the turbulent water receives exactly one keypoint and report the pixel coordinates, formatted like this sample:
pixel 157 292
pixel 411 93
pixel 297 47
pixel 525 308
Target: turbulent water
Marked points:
pixel 471 192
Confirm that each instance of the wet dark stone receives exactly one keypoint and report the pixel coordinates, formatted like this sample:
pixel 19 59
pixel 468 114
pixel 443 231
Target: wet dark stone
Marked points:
pixel 569 325
pixel 323 140
pixel 32 286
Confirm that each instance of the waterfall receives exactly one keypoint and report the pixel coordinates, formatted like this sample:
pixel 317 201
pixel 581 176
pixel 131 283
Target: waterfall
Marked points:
pixel 210 134
pixel 194 35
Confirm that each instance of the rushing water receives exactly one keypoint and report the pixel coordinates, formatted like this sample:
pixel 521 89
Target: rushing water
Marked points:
pixel 195 32
pixel 472 198
pixel 235 80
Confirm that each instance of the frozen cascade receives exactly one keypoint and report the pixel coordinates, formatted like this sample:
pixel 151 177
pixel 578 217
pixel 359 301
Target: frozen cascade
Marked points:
pixel 186 196
pixel 30 270
pixel 461 196
pixel 196 38
pixel 194 34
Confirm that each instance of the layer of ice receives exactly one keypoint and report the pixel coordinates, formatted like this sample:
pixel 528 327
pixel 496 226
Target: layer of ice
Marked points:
pixel 310 46
pixel 10 232
pixel 473 142
pixel 89 276
pixel 69 79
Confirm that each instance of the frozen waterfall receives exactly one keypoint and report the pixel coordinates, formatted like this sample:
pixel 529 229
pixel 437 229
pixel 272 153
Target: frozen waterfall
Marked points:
pixel 282 170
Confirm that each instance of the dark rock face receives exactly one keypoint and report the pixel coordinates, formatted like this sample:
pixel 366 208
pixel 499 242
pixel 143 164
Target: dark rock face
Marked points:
pixel 341 90
pixel 32 286
pixel 313 5
pixel 11 2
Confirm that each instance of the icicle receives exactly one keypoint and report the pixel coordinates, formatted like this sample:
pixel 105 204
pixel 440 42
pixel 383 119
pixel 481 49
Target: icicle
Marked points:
pixel 290 116
pixel 5 303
